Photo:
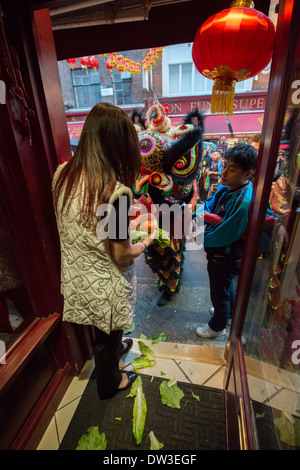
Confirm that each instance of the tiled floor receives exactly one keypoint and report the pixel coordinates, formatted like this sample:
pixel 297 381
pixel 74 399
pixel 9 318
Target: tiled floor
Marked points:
pixel 202 365
pixel 172 360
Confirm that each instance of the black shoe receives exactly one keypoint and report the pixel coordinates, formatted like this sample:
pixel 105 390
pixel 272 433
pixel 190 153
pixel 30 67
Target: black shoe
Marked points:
pixel 129 343
pixel 163 300
pixel 131 378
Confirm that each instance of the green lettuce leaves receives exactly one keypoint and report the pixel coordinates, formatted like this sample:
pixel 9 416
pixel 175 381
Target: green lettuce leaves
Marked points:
pixel 154 442
pixel 146 360
pixel 139 410
pixel 92 440
pixel 163 238
pixel 170 396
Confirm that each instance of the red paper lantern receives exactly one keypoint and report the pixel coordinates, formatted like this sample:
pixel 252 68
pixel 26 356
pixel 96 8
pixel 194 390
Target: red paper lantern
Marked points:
pixel 145 63
pixel 85 61
pixel 112 57
pixel 132 67
pixel 150 59
pixel 127 64
pixel 231 46
pixel 154 54
pixel 120 63
pixel 111 61
pixel 110 65
pixel 71 61
pixel 94 62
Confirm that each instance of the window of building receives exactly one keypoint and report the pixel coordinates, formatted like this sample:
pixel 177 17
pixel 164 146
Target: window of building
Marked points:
pixel 122 88
pixel 180 76
pixel 86 84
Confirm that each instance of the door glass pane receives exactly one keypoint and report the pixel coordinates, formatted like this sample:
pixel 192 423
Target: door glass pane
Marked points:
pixel 272 325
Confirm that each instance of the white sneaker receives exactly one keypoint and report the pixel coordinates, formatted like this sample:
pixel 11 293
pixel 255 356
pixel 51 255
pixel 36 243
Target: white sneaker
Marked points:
pixel 212 311
pixel 206 332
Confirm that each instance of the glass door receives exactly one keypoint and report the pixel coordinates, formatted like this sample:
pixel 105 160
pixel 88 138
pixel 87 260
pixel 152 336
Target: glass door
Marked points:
pixel 263 374
pixel 272 323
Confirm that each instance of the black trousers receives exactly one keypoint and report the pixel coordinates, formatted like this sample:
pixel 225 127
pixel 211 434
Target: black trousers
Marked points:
pixel 108 350
pixel 221 272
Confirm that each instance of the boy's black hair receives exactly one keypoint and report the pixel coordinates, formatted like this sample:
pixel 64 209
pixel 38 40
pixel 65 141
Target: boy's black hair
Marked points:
pixel 243 155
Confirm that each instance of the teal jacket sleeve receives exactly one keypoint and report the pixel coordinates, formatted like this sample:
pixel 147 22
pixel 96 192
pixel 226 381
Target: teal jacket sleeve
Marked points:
pixel 235 219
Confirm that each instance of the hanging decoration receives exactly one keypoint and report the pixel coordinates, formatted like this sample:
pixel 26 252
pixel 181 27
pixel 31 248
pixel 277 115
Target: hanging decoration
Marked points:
pixel 71 62
pixel 120 63
pixel 85 62
pixel 132 67
pixel 145 63
pixel 126 64
pixel 94 62
pixel 136 67
pixel 151 57
pixel 231 46
pixel 111 62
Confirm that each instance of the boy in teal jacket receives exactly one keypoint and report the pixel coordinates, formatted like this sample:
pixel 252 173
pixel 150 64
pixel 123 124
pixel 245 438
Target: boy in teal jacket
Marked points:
pixel 222 241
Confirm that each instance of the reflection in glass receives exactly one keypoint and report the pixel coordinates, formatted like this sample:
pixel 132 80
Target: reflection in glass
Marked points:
pixel 272 325
pixel 16 310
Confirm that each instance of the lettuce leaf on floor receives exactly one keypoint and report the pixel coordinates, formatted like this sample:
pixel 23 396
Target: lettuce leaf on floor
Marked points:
pixel 170 396
pixel 154 442
pixel 92 440
pixel 139 413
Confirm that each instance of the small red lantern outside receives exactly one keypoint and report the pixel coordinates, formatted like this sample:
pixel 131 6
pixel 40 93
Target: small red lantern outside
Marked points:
pixel 110 65
pixel 150 59
pixel 154 53
pixel 127 64
pixel 85 61
pixel 71 62
pixel 231 46
pixel 137 68
pixel 120 63
pixel 94 62
pixel 112 59
pixel 145 63
pixel 132 66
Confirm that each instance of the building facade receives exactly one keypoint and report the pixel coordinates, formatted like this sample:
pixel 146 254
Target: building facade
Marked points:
pixel 174 80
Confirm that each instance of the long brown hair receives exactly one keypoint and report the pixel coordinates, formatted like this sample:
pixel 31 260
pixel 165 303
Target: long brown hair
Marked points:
pixel 108 151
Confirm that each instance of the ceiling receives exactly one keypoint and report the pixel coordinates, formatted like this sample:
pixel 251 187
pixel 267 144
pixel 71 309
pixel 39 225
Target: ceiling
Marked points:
pixel 98 26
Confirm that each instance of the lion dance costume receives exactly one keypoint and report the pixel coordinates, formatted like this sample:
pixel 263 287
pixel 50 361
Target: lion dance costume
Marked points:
pixel 171 159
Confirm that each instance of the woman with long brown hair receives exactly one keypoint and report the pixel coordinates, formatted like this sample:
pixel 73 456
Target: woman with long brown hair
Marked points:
pixel 98 279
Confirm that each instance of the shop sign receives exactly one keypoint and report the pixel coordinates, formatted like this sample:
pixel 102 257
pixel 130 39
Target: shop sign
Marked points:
pixel 106 90
pixel 242 103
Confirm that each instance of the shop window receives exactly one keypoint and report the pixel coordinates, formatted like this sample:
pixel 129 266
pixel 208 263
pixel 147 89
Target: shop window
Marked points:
pixel 122 88
pixel 86 86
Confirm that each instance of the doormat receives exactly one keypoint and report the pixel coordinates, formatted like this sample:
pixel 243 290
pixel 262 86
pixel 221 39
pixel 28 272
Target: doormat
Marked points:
pixel 198 425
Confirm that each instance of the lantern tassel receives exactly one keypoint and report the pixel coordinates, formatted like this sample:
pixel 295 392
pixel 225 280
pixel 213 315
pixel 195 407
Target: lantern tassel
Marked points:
pixel 222 97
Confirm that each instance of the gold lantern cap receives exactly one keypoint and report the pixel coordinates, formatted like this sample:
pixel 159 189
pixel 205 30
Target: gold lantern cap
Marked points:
pixel 242 3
